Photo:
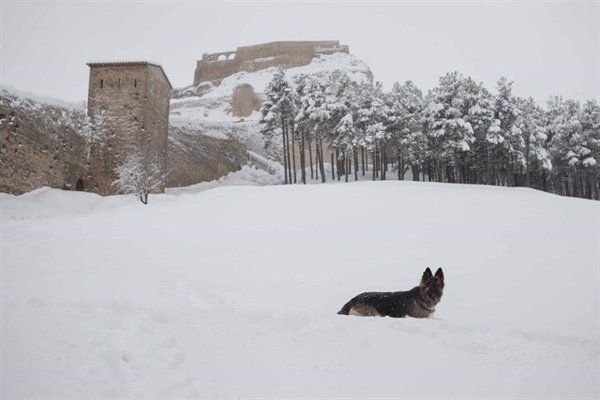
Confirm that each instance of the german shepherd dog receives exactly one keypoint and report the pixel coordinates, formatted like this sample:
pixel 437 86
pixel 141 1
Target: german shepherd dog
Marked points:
pixel 419 302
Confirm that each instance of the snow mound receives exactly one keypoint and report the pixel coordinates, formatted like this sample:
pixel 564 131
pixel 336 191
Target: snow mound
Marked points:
pixel 247 176
pixel 46 202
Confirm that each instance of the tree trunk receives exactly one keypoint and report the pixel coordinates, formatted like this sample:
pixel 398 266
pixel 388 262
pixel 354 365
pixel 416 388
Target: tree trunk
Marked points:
pixel 401 167
pixel 383 163
pixel 355 165
pixel 362 153
pixel 376 161
pixel 322 162
pixel 289 158
pixel 317 159
pixel 415 173
pixel 373 166
pixel 310 157
pixel 449 174
pixel 332 169
pixel 346 165
pixel 294 152
pixel 338 165
pixel 302 157
pixel 285 159
pixel 430 177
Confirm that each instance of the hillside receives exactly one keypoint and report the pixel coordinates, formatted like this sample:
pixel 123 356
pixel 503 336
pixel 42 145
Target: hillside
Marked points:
pixel 207 102
pixel 233 293
pixel 202 117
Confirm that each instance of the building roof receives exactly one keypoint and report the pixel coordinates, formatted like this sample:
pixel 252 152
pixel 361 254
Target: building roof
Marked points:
pixel 129 63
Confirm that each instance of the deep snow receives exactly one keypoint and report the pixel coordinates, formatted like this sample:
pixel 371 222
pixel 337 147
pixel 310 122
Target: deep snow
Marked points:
pixel 233 292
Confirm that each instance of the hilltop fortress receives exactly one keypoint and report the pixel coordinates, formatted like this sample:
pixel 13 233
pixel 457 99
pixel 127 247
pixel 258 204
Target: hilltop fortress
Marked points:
pixel 288 54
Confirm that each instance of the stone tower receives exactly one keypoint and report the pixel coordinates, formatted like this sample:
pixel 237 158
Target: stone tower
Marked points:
pixel 128 107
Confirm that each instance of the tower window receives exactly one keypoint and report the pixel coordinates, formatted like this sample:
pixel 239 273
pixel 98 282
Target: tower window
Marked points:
pixel 101 83
pixel 135 83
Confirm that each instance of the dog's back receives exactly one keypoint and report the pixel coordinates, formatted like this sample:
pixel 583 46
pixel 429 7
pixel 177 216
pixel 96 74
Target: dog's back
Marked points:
pixel 382 304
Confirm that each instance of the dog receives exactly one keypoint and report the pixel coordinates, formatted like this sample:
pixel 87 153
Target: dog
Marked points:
pixel 419 302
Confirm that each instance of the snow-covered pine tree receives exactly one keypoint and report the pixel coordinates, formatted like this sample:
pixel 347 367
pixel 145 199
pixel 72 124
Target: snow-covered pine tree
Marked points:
pixel 564 131
pixel 301 122
pixel 341 104
pixel 313 116
pixel 277 118
pixel 588 149
pixel 372 135
pixel 404 106
pixel 530 128
pixel 450 135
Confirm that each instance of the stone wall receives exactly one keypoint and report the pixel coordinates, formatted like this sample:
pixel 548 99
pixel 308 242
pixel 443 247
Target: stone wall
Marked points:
pixel 195 156
pixel 216 66
pixel 40 145
pixel 128 105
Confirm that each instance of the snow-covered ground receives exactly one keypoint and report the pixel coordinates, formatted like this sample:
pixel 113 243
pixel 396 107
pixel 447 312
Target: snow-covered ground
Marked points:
pixel 233 292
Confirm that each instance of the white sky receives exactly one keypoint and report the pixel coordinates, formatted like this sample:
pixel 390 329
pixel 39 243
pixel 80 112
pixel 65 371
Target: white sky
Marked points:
pixel 546 48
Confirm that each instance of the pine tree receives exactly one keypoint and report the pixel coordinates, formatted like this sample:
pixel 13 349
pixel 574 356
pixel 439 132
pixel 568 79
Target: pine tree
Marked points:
pixel 536 159
pixel 564 131
pixel 588 149
pixel 450 135
pixel 404 107
pixel 277 118
pixel 312 116
pixel 341 105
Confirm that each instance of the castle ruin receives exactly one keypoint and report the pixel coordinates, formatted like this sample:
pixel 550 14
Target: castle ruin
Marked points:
pixel 216 66
pixel 128 107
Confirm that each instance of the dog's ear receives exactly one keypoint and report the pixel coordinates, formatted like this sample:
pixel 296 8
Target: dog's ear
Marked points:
pixel 440 274
pixel 427 275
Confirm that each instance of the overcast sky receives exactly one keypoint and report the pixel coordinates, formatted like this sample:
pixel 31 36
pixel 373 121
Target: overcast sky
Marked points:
pixel 546 48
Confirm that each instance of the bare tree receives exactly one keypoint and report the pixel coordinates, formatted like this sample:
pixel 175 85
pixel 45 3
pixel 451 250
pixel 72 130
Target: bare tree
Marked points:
pixel 140 175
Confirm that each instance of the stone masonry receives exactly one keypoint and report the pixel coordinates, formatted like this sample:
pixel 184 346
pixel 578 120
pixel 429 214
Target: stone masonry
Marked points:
pixel 216 66
pixel 128 107
pixel 40 145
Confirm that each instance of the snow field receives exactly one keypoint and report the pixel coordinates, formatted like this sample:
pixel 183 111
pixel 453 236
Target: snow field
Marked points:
pixel 233 293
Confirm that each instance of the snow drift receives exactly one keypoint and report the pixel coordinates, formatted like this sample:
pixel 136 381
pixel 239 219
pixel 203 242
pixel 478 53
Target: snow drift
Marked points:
pixel 233 293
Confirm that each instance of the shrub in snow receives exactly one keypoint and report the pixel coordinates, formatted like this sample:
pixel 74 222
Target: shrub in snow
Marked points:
pixel 140 175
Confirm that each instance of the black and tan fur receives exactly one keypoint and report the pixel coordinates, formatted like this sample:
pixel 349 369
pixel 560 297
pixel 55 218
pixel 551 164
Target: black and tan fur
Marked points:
pixel 419 302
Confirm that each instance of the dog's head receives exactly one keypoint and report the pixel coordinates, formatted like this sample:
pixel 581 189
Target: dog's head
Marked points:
pixel 432 286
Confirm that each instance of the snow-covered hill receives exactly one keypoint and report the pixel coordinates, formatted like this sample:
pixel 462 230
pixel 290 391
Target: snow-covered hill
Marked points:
pixel 233 293
pixel 206 110
pixel 212 103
